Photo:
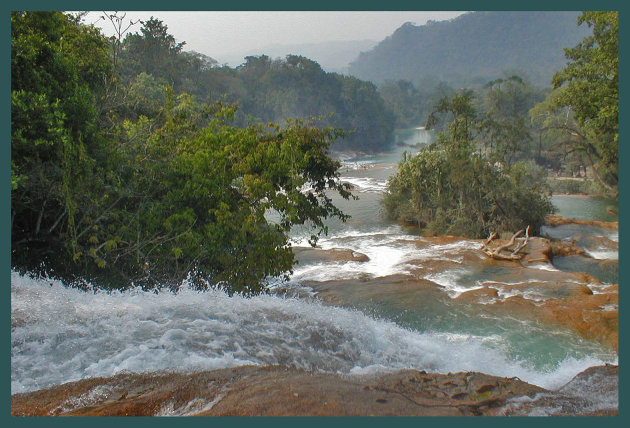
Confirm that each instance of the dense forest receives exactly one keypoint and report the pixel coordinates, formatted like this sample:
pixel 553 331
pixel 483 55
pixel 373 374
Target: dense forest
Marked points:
pixel 473 49
pixel 132 163
pixel 265 89
pixel 334 56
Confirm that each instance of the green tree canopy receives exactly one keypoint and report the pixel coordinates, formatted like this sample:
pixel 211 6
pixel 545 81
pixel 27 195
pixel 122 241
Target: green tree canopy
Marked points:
pixel 591 78
pixel 54 122
pixel 587 92
pixel 153 51
pixel 452 187
pixel 297 87
pixel 169 190
pixel 202 198
pixel 266 89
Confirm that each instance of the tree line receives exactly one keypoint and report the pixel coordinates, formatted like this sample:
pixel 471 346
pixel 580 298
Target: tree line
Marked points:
pixel 265 89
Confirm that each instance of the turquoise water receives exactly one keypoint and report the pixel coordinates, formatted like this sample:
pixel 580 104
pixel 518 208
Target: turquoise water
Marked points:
pixel 586 207
pixel 427 302
pixel 533 344
pixel 607 272
pixel 600 244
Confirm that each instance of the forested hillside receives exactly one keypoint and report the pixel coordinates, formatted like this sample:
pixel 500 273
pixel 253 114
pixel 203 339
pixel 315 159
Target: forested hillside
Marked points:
pixel 297 87
pixel 265 89
pixel 333 56
pixel 474 48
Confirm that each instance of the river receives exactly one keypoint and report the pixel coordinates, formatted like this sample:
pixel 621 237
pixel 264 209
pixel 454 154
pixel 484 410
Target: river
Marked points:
pixel 402 306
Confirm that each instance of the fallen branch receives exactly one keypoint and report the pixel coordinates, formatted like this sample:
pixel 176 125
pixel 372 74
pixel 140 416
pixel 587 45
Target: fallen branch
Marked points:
pixel 515 254
pixel 520 246
pixel 510 242
pixel 494 235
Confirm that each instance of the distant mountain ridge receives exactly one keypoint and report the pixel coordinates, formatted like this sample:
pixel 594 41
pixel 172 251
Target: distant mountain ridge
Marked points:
pixel 474 48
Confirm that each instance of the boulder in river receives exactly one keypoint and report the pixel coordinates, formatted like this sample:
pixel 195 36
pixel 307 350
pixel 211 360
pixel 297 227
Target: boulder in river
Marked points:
pixel 310 255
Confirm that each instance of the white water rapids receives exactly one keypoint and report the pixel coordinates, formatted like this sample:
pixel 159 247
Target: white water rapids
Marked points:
pixel 62 334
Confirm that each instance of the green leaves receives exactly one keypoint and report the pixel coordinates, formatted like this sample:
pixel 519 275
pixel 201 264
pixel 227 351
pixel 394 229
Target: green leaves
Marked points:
pixel 169 190
pixel 591 77
pixel 585 102
pixel 297 87
pixel 452 187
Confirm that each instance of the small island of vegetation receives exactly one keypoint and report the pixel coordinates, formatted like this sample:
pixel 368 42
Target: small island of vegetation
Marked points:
pixel 485 173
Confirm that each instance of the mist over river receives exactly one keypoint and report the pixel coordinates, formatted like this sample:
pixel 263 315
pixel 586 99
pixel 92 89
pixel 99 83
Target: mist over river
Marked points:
pixel 395 300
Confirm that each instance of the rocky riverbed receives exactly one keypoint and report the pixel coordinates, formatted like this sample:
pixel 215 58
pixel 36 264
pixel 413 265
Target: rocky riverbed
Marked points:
pixel 530 288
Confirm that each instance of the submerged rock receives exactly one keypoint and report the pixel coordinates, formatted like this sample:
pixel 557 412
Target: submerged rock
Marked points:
pixel 529 289
pixel 563 248
pixel 594 316
pixel 450 269
pixel 278 391
pixel 558 220
pixel 310 255
pixel 593 392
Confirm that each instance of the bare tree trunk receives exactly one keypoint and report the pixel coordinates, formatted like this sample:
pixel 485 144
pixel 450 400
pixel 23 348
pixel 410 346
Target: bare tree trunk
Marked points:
pixel 40 216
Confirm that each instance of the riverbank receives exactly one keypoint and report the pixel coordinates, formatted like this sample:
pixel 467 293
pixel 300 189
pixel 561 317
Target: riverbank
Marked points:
pixel 554 220
pixel 277 391
pixel 573 186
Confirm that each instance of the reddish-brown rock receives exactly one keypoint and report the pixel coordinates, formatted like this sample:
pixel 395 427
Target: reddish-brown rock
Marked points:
pixel 277 391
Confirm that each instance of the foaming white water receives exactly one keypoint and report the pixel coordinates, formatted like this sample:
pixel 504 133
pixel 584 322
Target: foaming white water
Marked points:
pixel 449 280
pixel 366 184
pixel 354 165
pixel 603 254
pixel 389 253
pixel 543 266
pixel 598 288
pixel 590 391
pixel 449 252
pixel 60 334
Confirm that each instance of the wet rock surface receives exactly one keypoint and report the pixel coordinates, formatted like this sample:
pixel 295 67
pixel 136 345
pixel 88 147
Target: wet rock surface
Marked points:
pixel 277 391
pixel 537 250
pixel 531 288
pixel 593 392
pixel 563 249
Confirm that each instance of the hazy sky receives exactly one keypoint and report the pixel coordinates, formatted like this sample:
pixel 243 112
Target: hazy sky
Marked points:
pixel 220 34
